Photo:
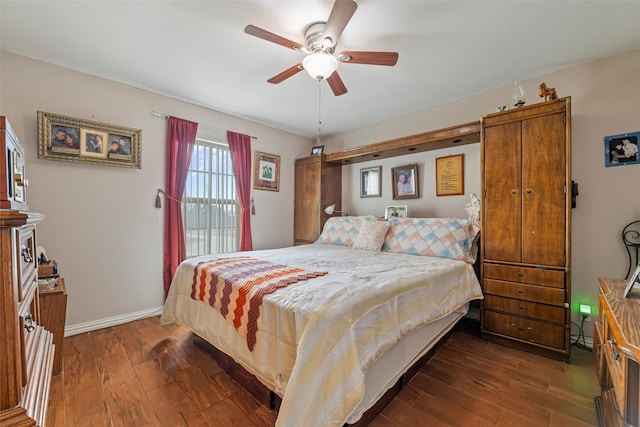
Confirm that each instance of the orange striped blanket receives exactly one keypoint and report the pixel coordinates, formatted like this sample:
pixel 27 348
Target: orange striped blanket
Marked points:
pixel 236 286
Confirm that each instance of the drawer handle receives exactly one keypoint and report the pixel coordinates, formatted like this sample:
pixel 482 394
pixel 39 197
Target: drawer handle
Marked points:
pixel 28 324
pixel 26 254
pixel 514 192
pixel 519 292
pixel 614 353
pixel 520 274
pixel 521 307
pixel 529 191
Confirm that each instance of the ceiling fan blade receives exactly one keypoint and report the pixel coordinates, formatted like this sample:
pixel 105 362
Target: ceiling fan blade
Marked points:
pixel 339 17
pixel 336 84
pixel 286 74
pixel 270 37
pixel 371 58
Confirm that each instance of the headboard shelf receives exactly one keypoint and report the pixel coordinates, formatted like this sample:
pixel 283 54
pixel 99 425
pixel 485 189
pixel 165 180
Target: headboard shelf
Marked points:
pixel 468 133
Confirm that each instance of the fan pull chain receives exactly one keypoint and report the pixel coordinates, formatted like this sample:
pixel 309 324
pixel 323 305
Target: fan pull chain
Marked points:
pixel 319 108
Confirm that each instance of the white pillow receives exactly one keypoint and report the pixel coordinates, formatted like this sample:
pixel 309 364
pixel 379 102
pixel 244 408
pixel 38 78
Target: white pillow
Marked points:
pixel 371 235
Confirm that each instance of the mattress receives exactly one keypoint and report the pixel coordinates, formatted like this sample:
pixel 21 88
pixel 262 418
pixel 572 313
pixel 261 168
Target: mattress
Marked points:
pixel 317 338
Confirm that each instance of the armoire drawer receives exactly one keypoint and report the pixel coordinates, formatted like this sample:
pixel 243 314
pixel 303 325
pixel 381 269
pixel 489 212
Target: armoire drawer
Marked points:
pixel 533 276
pixel 525 329
pixel 25 249
pixel 539 294
pixel 550 313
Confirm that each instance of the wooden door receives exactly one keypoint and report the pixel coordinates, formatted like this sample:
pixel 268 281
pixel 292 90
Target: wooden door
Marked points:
pixel 544 185
pixel 502 179
pixel 306 205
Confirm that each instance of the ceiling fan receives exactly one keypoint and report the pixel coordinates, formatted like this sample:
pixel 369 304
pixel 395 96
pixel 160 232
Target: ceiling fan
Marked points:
pixel 320 42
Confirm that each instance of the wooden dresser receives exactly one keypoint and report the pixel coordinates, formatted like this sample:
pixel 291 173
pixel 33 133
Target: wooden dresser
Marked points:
pixel 318 184
pixel 616 351
pixel 26 348
pixel 526 212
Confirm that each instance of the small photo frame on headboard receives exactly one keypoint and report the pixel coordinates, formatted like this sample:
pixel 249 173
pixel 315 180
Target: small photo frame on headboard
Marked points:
pixel 635 278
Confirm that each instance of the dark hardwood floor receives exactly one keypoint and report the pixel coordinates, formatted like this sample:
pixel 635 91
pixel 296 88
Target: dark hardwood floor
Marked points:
pixel 143 374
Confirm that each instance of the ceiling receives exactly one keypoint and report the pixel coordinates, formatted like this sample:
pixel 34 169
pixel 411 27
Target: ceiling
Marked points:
pixel 197 51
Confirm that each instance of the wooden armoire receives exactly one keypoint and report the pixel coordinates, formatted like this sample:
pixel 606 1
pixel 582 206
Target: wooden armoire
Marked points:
pixel 318 184
pixel 526 227
pixel 26 348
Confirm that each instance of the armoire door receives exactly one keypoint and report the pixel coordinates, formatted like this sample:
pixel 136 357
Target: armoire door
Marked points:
pixel 543 190
pixel 307 214
pixel 503 202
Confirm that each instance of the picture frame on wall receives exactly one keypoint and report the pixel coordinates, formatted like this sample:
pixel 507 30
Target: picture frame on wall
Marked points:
pixel 317 150
pixel 635 279
pixel 266 171
pixel 450 175
pixel 71 139
pixel 622 149
pixel 405 182
pixel 371 182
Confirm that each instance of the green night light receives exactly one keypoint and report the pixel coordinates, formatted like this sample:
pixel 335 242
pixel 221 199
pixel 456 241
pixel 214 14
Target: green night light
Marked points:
pixel 585 309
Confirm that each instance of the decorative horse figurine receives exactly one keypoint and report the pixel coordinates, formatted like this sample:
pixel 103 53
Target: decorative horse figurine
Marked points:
pixel 548 93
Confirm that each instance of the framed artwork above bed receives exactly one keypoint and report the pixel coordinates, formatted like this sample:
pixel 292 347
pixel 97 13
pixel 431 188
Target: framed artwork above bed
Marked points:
pixel 450 175
pixel 371 182
pixel 405 182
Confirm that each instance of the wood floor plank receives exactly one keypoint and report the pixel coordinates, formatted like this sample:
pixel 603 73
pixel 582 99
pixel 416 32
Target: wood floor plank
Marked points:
pixel 145 374
pixel 459 397
pixel 55 409
pixel 173 408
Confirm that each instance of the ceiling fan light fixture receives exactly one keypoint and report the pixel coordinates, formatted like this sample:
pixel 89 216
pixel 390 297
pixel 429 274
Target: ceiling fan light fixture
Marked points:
pixel 320 65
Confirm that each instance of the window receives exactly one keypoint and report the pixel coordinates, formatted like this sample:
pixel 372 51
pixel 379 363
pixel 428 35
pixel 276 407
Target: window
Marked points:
pixel 210 201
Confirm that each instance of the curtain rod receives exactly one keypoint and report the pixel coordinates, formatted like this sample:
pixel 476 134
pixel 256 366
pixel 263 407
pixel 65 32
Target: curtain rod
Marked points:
pixel 158 114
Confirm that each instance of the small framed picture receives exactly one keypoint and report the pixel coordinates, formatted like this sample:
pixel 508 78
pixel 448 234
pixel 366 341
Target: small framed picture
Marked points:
pixel 635 279
pixel 317 150
pixel 266 171
pixel 620 150
pixel 395 212
pixel 405 182
pixel 371 182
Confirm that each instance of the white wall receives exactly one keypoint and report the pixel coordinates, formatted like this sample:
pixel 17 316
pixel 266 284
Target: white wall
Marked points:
pixel 605 97
pixel 101 222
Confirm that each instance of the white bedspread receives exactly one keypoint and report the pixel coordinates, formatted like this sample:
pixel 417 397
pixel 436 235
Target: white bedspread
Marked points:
pixel 317 338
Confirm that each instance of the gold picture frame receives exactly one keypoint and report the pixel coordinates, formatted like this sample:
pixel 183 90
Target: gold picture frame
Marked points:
pixel 71 139
pixel 266 171
pixel 450 175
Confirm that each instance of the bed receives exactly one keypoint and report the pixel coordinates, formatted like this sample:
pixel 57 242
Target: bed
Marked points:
pixel 368 305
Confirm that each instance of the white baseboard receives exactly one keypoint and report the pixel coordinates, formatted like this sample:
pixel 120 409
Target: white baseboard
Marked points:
pixel 111 321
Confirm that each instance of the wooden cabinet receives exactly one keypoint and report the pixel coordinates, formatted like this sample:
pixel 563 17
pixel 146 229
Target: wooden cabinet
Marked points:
pixel 26 347
pixel 526 211
pixel 318 184
pixel 616 352
pixel 53 314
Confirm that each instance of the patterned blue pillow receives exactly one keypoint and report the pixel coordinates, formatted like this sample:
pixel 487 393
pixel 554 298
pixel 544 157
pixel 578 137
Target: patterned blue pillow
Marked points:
pixel 341 230
pixel 441 237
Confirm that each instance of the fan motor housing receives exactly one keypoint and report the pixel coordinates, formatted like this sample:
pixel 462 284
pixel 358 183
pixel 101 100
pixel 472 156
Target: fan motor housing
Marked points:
pixel 314 39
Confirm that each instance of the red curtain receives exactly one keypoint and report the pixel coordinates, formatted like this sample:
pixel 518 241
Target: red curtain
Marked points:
pixel 181 136
pixel 240 147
